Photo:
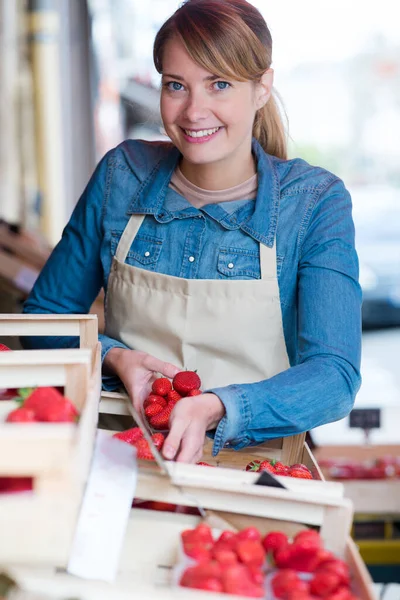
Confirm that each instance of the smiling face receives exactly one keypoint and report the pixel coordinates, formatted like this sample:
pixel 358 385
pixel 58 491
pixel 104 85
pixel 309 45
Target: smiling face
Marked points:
pixel 208 118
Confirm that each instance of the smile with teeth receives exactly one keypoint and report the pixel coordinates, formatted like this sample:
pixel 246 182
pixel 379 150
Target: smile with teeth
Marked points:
pixel 201 133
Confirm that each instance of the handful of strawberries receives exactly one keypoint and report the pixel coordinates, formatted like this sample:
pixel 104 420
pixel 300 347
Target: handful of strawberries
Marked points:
pixel 246 564
pixel 165 394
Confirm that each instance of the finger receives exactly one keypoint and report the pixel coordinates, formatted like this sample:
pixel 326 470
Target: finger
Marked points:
pixel 191 444
pixel 173 440
pixel 165 368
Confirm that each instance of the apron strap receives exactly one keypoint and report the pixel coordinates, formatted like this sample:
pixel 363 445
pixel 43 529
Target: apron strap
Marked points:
pixel 128 236
pixel 268 261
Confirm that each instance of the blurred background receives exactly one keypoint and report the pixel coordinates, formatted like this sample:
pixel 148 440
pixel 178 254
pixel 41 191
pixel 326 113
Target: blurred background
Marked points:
pixel 77 77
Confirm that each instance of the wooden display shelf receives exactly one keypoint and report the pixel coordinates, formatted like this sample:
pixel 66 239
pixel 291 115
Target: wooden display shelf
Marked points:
pixel 37 527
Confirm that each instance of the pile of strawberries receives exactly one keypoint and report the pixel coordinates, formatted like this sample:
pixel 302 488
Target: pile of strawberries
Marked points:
pixel 134 437
pixel 277 468
pixel 45 405
pixel 165 394
pixel 244 563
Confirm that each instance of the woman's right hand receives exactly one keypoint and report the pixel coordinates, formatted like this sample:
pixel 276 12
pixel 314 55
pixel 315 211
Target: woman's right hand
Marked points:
pixel 137 371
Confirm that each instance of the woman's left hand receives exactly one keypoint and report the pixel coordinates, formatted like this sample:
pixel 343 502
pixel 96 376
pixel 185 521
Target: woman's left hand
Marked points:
pixel 189 421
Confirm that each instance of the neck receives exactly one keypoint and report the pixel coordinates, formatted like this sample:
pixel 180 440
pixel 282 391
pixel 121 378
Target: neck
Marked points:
pixel 218 176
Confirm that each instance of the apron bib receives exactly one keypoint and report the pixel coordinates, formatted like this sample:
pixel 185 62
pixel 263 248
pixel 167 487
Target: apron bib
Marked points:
pixel 229 331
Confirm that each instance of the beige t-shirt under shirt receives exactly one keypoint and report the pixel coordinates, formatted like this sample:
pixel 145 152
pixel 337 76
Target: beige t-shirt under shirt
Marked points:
pixel 199 197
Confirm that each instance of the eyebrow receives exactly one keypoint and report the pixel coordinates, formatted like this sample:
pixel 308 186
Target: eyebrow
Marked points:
pixel 179 78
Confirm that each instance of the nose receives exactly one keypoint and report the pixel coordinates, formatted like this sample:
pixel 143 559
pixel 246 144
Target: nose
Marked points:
pixel 196 107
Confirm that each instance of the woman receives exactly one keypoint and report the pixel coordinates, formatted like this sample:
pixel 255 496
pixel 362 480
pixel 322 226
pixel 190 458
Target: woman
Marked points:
pixel 217 253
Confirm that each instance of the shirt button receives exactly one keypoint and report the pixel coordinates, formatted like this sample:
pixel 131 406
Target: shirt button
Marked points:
pixel 147 253
pixel 191 258
pixel 230 266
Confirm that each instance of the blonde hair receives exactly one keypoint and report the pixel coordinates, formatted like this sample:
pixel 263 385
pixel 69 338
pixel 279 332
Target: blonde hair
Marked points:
pixel 229 38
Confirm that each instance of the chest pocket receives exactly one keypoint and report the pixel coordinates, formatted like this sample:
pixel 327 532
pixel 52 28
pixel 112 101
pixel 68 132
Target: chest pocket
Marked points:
pixel 237 263
pixel 144 251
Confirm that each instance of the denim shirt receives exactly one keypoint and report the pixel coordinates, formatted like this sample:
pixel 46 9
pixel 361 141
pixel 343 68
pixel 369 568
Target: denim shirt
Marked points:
pixel 306 208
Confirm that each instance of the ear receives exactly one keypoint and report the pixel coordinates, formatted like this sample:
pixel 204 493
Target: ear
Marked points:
pixel 264 88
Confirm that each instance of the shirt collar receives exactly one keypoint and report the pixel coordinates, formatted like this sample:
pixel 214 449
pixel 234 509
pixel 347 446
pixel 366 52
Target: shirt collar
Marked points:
pixel 259 219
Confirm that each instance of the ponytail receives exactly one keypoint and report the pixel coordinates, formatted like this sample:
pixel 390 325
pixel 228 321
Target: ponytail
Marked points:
pixel 269 129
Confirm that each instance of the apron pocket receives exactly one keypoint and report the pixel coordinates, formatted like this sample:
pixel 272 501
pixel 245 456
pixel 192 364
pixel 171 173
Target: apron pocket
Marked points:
pixel 145 249
pixel 239 263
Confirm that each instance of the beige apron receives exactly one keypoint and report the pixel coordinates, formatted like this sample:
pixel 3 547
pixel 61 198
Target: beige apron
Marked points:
pixel 229 331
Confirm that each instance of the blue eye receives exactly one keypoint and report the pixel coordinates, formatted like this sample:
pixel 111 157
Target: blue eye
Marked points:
pixel 174 86
pixel 222 85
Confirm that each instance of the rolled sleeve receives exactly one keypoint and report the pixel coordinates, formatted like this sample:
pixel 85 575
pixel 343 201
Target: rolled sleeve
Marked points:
pixel 110 383
pixel 232 428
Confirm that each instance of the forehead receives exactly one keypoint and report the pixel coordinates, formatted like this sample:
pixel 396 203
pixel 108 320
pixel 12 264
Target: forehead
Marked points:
pixel 177 61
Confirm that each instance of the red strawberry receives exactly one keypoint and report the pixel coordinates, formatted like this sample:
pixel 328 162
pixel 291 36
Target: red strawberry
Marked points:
pixel 309 536
pixel 158 440
pixel 299 594
pixel 253 465
pixel 185 381
pixel 224 553
pixel 237 580
pixel 228 537
pixel 337 566
pixel 256 574
pixel 49 404
pixel 204 464
pixel 266 465
pixel 58 413
pixel 161 386
pixel 4 348
pixel 154 399
pixel 300 473
pixel 342 593
pixel 194 393
pixel 153 409
pixel 324 583
pixel 282 556
pixel 143 451
pixel 161 421
pixel 280 468
pixel 130 436
pixel 303 556
pixel 300 466
pixel 249 533
pixel 250 552
pixel 173 396
pixel 274 541
pixel 21 415
pixel 204 576
pixel 286 580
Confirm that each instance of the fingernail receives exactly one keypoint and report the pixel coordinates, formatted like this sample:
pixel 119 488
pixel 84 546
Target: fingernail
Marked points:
pixel 169 451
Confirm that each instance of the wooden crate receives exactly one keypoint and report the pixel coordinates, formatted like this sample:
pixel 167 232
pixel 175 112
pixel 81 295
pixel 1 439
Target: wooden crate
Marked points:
pixel 151 543
pixel 290 450
pixel 371 496
pixel 152 538
pixel 37 527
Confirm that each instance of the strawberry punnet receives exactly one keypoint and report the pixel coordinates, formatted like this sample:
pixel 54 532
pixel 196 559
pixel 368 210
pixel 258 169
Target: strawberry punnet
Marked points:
pixel 185 381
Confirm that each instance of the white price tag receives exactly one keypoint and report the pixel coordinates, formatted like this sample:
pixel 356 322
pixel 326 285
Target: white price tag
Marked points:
pixel 105 510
